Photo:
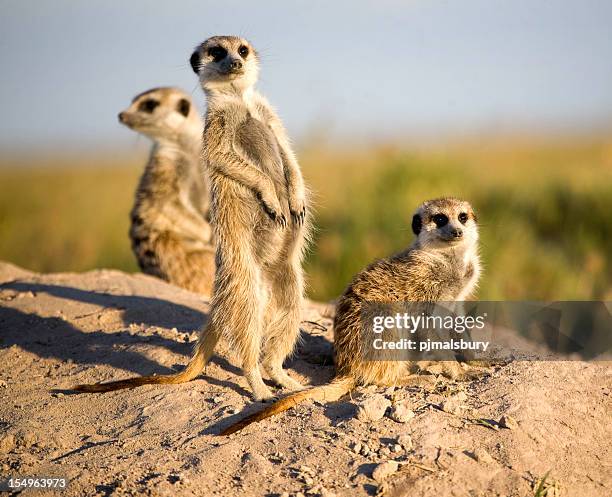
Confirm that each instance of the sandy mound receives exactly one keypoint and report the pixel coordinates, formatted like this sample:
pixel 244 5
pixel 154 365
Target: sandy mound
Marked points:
pixel 438 438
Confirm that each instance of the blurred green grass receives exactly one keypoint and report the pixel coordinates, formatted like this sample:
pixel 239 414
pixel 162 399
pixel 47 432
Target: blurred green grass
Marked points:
pixel 545 209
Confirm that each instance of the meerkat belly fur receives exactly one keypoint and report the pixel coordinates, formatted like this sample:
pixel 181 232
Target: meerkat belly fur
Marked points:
pixel 442 265
pixel 260 221
pixel 170 233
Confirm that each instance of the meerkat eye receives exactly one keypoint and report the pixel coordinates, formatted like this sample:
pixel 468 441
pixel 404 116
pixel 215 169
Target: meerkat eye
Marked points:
pixel 440 220
pixel 417 224
pixel 243 51
pixel 217 53
pixel 463 217
pixel 183 107
pixel 148 105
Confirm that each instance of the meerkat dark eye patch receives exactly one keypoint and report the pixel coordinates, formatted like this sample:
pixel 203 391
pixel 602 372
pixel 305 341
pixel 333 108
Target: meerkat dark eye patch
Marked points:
pixel 417 224
pixel 440 220
pixel 243 51
pixel 194 61
pixel 463 217
pixel 217 53
pixel 148 105
pixel 184 106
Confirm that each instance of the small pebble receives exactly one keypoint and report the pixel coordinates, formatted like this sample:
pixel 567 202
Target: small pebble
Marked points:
pixel 401 413
pixel 324 492
pixel 7 443
pixel 508 422
pixel 306 469
pixel 28 439
pixel 384 452
pixel 405 440
pixel 483 456
pixel 450 406
pixel 460 396
pixel 372 408
pixel 383 470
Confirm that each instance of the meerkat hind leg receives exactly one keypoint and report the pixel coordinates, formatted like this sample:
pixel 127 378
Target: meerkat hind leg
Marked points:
pixel 283 325
pixel 250 351
pixel 241 311
pixel 250 348
pixel 261 392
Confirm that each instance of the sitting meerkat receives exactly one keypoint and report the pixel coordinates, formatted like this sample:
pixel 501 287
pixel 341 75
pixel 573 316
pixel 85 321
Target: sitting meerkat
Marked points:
pixel 442 265
pixel 170 231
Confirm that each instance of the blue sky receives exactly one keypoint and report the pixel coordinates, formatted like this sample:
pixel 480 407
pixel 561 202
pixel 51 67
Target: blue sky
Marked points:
pixel 353 69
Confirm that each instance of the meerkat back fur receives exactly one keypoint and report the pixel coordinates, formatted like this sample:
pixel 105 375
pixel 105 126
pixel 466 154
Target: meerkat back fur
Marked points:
pixel 170 231
pixel 260 219
pixel 442 265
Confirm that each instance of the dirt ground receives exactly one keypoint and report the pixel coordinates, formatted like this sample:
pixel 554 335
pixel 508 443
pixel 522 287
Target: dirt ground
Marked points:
pixel 438 437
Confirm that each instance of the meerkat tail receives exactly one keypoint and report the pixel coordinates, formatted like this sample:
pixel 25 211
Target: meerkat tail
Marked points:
pixel 330 392
pixel 195 366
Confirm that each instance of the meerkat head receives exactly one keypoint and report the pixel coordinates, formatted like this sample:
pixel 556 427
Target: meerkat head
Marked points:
pixel 225 63
pixel 163 113
pixel 445 223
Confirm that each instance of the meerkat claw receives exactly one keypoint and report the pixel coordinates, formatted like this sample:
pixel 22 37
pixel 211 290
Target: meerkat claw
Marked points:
pixel 298 217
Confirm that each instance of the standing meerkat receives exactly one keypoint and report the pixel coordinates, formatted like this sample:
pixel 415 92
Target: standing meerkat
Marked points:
pixel 442 265
pixel 260 221
pixel 170 233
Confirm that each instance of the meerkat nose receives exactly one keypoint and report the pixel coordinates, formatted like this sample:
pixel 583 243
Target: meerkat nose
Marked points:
pixel 121 116
pixel 457 232
pixel 236 64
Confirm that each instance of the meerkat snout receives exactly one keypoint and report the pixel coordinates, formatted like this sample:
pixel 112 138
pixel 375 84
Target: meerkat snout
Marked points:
pixel 235 65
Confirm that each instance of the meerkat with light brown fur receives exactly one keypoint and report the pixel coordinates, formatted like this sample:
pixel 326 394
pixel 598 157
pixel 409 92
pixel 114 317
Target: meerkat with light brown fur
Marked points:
pixel 260 218
pixel 170 231
pixel 442 265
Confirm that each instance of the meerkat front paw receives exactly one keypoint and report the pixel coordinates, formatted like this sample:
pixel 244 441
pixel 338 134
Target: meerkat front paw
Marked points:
pixel 272 208
pixel 297 208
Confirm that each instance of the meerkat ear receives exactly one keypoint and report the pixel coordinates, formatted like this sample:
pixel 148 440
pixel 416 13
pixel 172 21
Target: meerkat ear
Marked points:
pixel 184 106
pixel 417 224
pixel 194 60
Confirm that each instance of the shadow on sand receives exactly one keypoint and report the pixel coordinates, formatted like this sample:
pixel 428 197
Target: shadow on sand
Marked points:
pixel 54 337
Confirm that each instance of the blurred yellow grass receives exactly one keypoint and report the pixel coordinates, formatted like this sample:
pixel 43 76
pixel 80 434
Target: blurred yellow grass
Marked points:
pixel 545 207
pixel 67 217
